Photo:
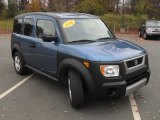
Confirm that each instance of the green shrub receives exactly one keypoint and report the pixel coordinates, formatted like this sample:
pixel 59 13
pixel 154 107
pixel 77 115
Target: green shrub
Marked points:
pixel 6 24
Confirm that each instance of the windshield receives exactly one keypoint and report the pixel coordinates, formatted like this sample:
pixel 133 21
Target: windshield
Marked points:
pixel 153 23
pixel 84 29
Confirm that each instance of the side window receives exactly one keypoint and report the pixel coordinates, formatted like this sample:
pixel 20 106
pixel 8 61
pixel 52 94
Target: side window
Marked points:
pixel 45 27
pixel 28 26
pixel 17 26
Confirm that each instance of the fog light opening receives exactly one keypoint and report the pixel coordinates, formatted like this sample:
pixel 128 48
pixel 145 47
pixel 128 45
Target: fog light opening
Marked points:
pixel 111 92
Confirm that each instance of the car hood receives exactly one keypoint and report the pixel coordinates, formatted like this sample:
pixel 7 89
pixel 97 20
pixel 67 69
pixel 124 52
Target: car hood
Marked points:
pixel 110 50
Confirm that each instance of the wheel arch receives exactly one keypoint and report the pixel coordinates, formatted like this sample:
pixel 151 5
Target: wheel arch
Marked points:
pixel 76 65
pixel 15 49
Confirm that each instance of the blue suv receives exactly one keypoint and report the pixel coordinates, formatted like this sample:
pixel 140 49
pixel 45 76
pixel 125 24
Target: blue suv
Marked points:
pixel 78 49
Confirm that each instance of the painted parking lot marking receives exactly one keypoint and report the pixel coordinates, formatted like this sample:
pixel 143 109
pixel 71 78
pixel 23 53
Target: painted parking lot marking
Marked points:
pixel 134 107
pixel 15 86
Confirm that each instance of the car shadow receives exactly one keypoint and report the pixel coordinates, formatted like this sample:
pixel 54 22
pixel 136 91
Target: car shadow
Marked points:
pixel 153 38
pixel 60 94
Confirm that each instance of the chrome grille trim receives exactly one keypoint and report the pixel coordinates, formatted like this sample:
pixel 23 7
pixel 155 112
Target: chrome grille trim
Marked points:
pixel 143 62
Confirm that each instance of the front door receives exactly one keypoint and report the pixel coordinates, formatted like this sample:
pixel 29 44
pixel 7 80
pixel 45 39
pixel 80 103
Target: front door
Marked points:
pixel 45 53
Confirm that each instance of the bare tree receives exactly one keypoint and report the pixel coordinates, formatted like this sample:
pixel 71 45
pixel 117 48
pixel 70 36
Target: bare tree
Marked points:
pixel 62 5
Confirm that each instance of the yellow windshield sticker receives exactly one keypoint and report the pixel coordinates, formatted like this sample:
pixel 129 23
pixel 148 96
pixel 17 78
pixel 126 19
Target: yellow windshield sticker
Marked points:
pixel 69 23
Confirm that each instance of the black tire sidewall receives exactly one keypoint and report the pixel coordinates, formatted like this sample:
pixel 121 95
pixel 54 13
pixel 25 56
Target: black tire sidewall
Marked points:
pixel 145 36
pixel 76 89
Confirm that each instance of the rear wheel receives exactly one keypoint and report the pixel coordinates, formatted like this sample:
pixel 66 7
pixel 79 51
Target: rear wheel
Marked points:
pixel 19 64
pixel 76 93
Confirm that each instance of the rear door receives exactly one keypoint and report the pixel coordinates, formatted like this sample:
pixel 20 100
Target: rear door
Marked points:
pixel 45 53
pixel 27 39
pixel 17 32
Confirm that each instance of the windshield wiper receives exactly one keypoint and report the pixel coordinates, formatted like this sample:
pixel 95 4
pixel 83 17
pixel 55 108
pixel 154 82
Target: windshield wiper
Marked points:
pixel 104 38
pixel 82 40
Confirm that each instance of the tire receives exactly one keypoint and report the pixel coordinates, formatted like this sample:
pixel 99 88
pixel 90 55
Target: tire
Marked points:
pixel 145 36
pixel 139 34
pixel 19 64
pixel 76 92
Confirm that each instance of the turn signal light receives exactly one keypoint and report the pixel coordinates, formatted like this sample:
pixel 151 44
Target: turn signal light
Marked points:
pixel 87 64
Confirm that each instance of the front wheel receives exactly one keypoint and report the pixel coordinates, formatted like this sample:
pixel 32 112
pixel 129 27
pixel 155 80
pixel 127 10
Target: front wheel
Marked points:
pixel 76 93
pixel 145 36
pixel 139 34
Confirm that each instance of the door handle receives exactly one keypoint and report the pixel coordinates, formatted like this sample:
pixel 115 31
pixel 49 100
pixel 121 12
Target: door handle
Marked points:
pixel 32 45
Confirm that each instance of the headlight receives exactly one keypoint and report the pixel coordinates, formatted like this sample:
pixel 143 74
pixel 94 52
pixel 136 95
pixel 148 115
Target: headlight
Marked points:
pixel 109 70
pixel 149 29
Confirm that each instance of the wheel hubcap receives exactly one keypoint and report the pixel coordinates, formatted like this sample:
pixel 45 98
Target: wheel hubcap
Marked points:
pixel 69 87
pixel 17 63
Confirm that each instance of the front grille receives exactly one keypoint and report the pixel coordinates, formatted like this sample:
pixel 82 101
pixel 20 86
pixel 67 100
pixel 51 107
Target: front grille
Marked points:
pixel 134 62
pixel 136 78
pixel 156 30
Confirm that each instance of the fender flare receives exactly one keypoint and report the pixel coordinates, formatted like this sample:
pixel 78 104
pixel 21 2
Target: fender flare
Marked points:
pixel 17 48
pixel 79 67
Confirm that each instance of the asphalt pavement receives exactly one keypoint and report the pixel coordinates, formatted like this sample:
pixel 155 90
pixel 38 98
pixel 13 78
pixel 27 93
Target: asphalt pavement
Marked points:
pixel 40 98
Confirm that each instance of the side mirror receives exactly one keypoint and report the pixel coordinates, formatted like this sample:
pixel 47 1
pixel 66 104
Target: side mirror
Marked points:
pixel 49 38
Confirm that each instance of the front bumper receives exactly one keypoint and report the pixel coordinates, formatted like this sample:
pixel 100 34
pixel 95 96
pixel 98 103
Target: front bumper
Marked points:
pixel 153 33
pixel 126 83
pixel 136 86
pixel 121 88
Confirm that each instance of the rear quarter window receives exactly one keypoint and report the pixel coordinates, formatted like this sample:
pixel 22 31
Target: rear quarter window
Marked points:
pixel 28 26
pixel 17 26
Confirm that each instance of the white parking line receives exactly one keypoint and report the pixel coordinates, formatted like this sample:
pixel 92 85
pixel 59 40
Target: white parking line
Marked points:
pixel 15 86
pixel 134 107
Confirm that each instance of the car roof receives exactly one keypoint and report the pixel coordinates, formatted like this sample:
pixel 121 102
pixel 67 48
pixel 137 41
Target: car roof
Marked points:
pixel 59 15
pixel 152 20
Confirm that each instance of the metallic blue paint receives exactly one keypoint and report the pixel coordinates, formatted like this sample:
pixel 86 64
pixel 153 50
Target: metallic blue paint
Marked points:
pixel 108 51
pixel 44 56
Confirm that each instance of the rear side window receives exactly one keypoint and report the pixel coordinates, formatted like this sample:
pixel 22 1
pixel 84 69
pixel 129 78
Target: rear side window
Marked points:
pixel 45 27
pixel 17 26
pixel 28 26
